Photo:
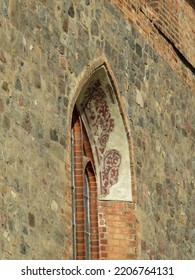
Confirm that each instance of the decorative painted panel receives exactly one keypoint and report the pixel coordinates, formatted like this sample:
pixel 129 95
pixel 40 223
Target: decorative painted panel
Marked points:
pixel 101 116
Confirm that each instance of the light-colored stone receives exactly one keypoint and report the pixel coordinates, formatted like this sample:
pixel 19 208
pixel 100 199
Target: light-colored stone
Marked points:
pixel 139 99
pixel 54 206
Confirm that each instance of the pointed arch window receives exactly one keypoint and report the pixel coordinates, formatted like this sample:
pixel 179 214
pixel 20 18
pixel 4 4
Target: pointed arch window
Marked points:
pixel 84 193
pixel 100 162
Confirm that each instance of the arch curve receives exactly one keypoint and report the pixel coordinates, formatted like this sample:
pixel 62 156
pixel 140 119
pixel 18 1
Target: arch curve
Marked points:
pixel 99 104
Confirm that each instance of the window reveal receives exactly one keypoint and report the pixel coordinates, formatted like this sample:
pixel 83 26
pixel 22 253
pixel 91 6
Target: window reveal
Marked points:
pixel 84 192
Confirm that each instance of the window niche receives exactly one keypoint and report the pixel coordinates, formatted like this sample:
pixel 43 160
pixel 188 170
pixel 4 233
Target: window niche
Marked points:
pixel 100 159
pixel 99 110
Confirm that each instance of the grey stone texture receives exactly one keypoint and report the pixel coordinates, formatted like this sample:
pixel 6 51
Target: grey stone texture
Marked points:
pixel 44 47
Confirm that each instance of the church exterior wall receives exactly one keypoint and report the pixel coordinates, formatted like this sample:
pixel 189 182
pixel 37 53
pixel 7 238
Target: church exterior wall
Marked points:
pixel 47 48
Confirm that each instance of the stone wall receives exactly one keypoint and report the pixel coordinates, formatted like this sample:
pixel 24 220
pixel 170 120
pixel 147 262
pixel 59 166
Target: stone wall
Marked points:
pixel 168 25
pixel 45 47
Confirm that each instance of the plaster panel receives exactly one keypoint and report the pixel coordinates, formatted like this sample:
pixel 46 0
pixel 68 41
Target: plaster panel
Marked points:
pixel 102 118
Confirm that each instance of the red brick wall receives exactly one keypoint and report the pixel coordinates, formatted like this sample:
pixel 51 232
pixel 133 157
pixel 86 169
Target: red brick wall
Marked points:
pixel 80 140
pixel 93 206
pixel 118 229
pixel 79 181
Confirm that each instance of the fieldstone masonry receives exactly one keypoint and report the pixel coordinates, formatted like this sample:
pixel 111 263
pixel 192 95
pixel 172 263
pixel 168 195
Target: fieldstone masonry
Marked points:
pixel 45 47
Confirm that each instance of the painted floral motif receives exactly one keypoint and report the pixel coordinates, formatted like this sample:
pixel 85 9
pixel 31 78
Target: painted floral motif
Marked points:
pixel 101 124
pixel 98 115
pixel 110 172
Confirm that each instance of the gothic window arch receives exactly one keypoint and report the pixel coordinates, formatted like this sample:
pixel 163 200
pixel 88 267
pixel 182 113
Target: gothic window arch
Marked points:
pixel 101 172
